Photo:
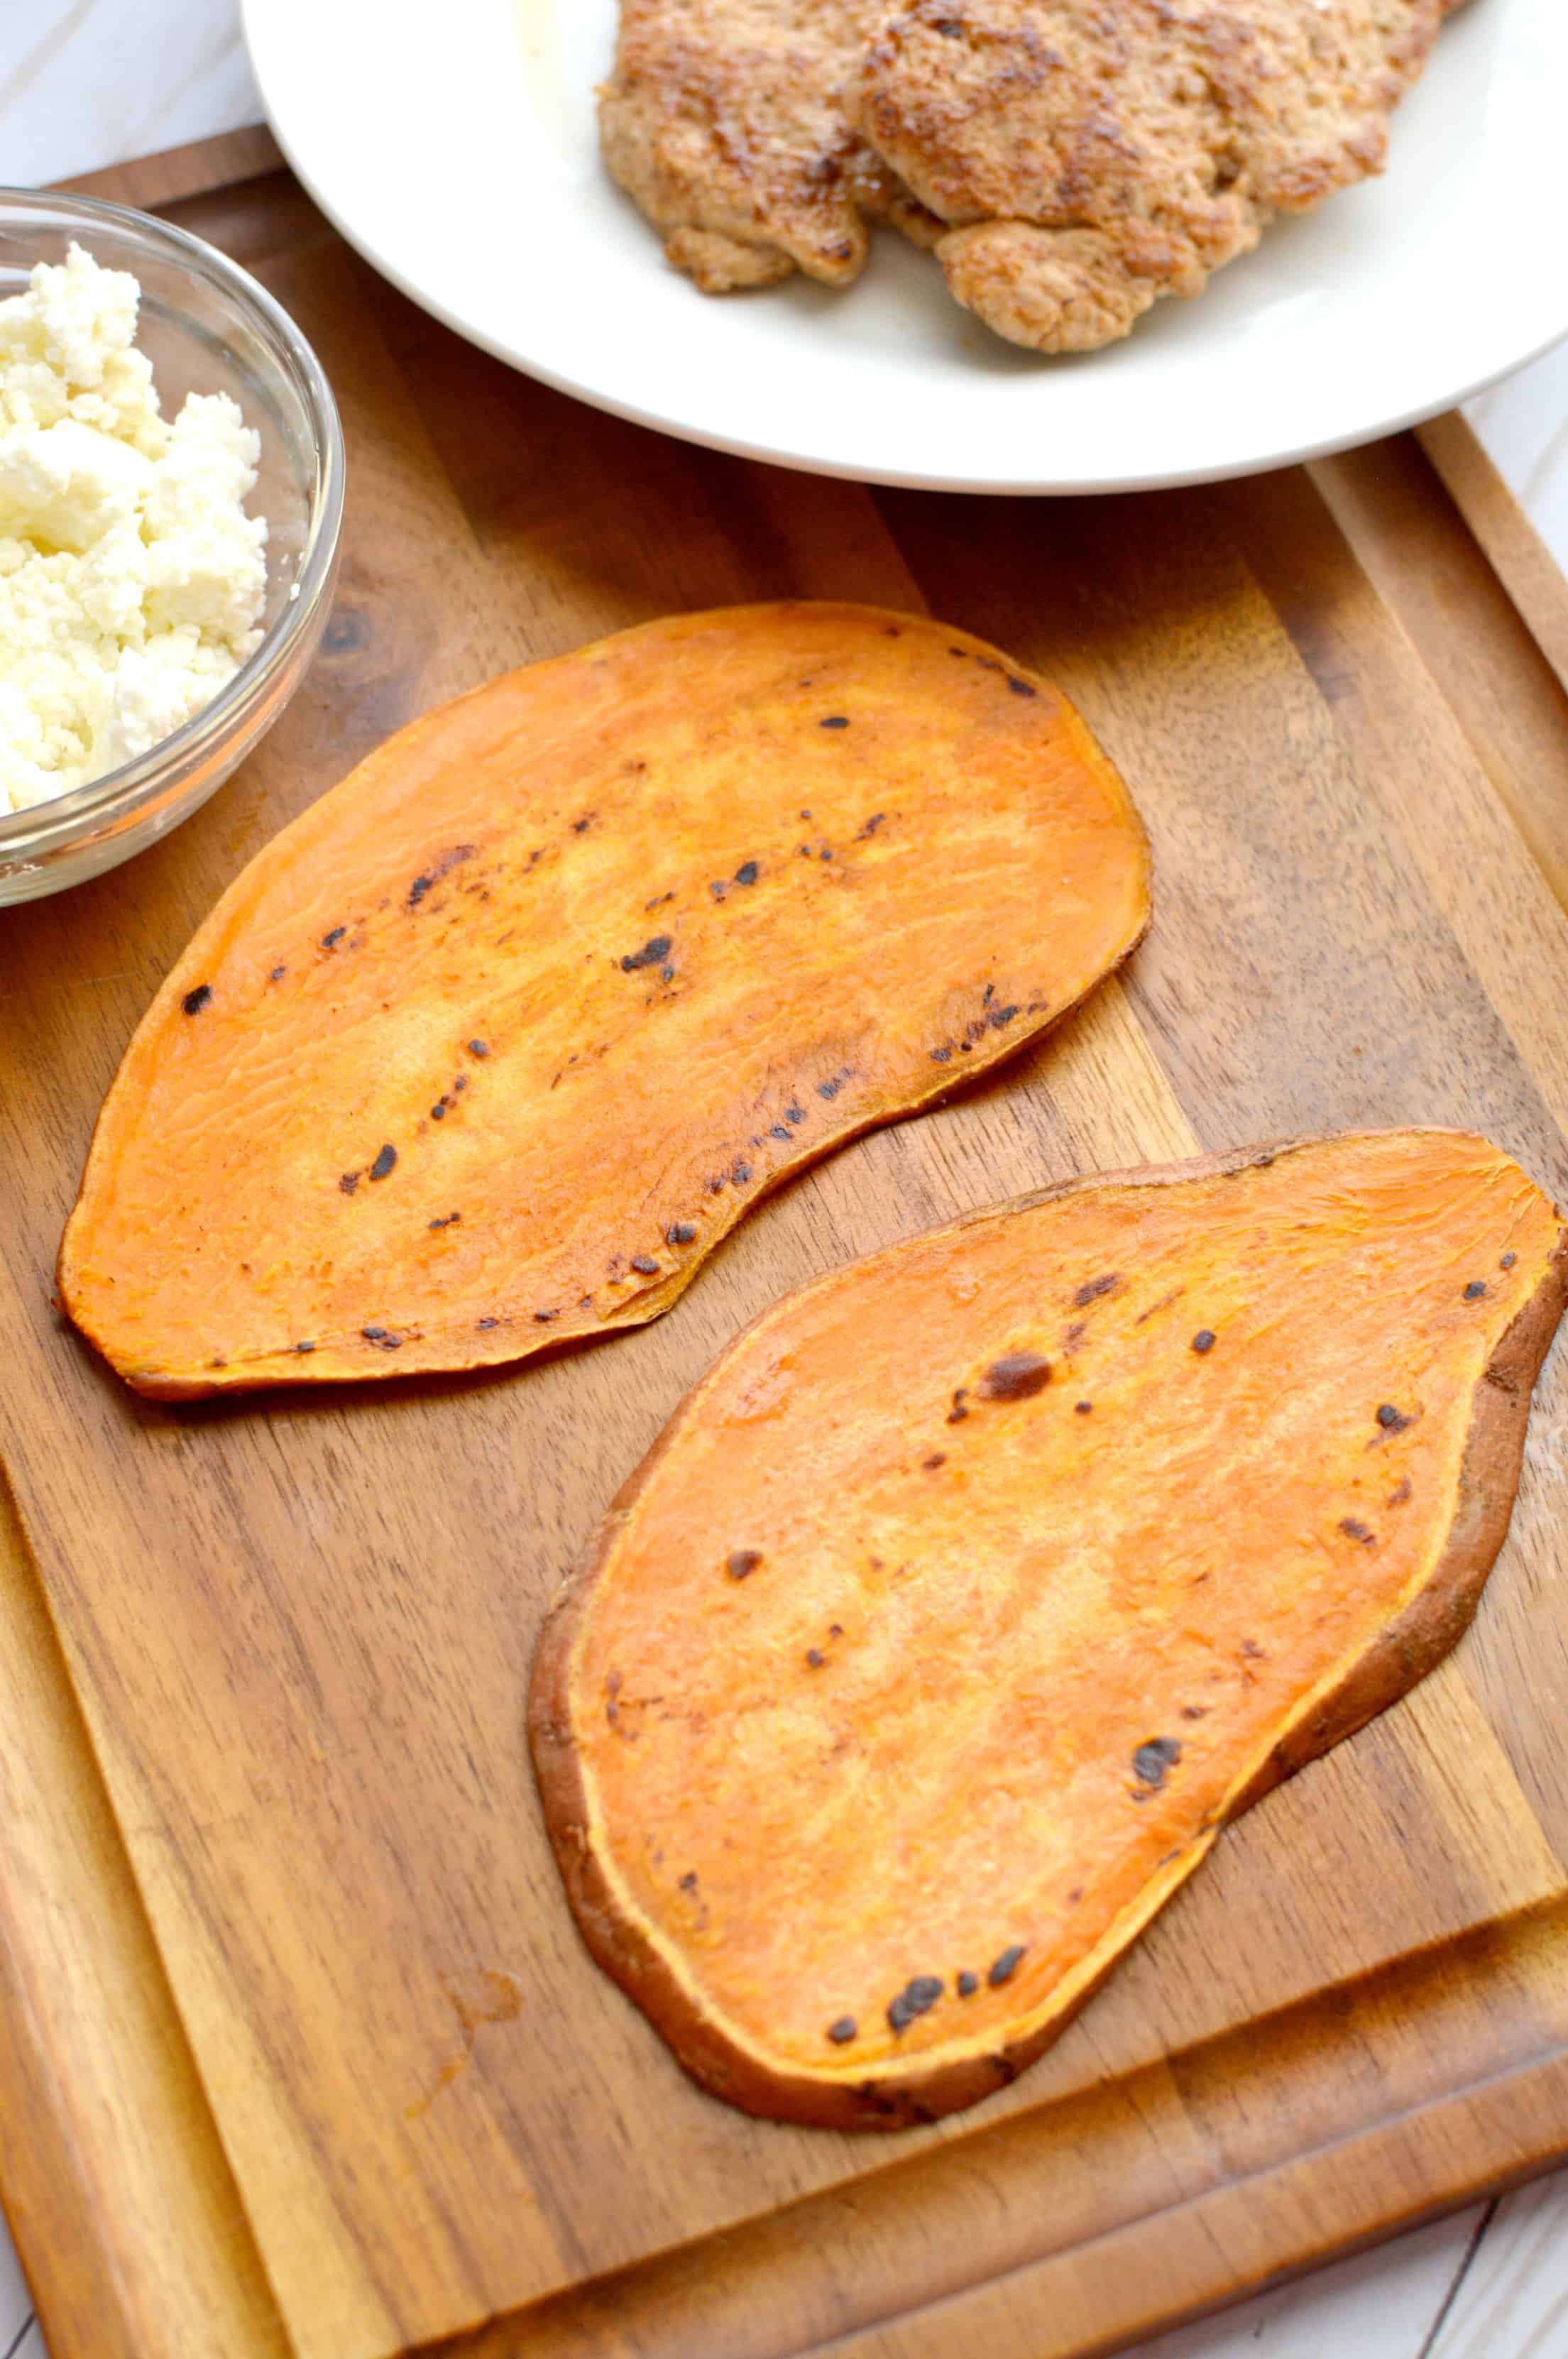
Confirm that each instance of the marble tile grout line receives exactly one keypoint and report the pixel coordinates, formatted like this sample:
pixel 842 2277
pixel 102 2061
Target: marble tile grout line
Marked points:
pixel 30 2321
pixel 1467 2263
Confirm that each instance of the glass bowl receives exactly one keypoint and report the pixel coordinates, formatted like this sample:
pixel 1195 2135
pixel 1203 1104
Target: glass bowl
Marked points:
pixel 206 326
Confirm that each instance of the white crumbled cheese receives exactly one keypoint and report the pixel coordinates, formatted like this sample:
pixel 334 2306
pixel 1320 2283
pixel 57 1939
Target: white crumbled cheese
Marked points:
pixel 131 580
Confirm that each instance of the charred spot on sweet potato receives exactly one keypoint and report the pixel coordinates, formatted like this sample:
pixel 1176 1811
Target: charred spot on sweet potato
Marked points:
pixel 1018 1375
pixel 195 1001
pixel 1153 1760
pixel 432 876
pixel 654 951
pixel 681 1233
pixel 1094 1289
pixel 1007 1965
pixel 877 2101
pixel 1204 1340
pixel 1355 1529
pixel 386 1161
pixel 842 2030
pixel 916 1998
pixel 609 1036
pixel 1392 1419
pixel 967 1984
pixel 743 1561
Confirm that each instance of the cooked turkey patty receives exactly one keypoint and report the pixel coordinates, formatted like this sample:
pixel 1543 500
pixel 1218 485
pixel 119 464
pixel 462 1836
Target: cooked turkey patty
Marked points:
pixel 1070 161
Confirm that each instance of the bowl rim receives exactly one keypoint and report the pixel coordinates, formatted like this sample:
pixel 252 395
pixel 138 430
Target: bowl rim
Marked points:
pixel 41 829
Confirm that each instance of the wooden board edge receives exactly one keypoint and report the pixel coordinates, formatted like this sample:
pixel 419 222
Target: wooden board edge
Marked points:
pixel 1163 2270
pixel 174 174
pixel 1347 2145
pixel 959 2318
pixel 1515 551
pixel 121 2200
pixel 1169 2269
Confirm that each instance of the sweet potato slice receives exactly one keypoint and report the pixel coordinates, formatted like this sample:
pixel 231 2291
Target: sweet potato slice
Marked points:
pixel 980 1583
pixel 493 1043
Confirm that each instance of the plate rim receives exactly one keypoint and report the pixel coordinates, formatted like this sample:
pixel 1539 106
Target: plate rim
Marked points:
pixel 734 445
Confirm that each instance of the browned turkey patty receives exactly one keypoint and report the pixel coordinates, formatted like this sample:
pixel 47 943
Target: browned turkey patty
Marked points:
pixel 1070 161
pixel 728 121
pixel 1093 154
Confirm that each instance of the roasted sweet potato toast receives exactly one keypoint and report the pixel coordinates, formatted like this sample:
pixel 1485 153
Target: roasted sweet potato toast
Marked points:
pixel 495 1043
pixel 979 1585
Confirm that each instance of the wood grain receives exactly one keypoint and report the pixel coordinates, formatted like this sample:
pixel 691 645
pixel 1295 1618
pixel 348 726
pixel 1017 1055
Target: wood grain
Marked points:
pixel 154 183
pixel 1513 548
pixel 104 2119
pixel 1383 2302
pixel 1471 636
pixel 299 1634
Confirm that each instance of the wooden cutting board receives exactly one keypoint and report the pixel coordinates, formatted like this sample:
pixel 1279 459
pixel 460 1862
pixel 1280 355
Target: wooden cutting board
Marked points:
pixel 299 2050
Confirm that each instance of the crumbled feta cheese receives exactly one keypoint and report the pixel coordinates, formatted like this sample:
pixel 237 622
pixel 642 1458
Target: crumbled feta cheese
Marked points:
pixel 132 582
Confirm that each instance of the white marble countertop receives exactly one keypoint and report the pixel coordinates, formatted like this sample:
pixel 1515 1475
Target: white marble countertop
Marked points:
pixel 89 83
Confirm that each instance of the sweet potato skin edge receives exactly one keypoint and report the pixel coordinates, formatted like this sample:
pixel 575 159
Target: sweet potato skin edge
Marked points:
pixel 509 1343
pixel 1405 1652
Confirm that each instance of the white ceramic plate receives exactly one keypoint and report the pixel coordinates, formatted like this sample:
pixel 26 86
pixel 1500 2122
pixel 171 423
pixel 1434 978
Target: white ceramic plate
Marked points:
pixel 452 142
